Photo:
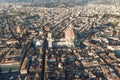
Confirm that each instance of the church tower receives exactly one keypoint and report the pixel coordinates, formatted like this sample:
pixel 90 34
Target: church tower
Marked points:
pixel 50 40
pixel 18 29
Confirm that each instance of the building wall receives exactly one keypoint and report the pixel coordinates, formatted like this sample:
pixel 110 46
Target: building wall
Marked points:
pixel 59 44
pixel 13 67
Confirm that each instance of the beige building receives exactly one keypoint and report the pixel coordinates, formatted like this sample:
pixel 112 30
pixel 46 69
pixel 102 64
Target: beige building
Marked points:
pixel 18 29
pixel 67 41
pixel 70 36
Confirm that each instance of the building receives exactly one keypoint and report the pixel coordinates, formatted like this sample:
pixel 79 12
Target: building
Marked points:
pixel 25 66
pixel 38 43
pixel 18 29
pixel 67 41
pixel 12 61
pixel 12 41
pixel 70 36
pixel 50 40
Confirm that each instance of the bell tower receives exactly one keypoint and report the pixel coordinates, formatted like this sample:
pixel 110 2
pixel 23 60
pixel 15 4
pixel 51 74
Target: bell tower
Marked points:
pixel 50 40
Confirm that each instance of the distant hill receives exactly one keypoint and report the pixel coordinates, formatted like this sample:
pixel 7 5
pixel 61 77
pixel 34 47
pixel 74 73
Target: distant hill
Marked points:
pixel 105 1
pixel 52 1
pixel 67 1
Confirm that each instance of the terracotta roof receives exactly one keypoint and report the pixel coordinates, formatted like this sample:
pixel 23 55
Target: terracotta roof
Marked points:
pixel 69 32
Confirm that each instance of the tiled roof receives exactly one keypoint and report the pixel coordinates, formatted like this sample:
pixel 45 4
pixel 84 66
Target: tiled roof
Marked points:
pixel 69 32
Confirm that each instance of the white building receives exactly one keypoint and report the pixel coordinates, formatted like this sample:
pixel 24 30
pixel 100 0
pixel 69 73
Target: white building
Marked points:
pixel 38 43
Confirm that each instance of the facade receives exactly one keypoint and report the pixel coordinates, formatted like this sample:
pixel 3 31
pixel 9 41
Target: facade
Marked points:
pixel 18 29
pixel 7 67
pixel 50 40
pixel 12 61
pixel 25 66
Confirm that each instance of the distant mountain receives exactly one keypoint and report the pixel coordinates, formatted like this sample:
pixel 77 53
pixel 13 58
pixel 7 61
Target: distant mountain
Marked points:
pixel 43 0
pixel 66 1
pixel 105 1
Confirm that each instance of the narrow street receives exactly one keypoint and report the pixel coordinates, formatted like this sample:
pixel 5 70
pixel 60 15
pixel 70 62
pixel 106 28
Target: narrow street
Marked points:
pixel 45 47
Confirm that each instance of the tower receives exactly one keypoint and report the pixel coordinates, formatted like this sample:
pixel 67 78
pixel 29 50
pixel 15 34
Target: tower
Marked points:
pixel 49 39
pixel 18 29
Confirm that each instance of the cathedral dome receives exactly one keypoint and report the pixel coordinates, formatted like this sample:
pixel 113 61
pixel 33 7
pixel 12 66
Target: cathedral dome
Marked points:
pixel 69 33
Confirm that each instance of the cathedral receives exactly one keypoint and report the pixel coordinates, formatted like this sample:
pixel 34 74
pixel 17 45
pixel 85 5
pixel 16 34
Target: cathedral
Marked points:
pixel 67 41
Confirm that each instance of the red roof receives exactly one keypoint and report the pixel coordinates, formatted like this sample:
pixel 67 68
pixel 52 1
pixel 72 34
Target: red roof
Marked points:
pixel 69 32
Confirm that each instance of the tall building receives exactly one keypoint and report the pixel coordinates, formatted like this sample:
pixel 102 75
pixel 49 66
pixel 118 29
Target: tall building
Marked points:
pixel 50 40
pixel 18 29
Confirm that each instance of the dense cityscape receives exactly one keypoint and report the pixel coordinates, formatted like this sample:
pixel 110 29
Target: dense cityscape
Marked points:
pixel 59 43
